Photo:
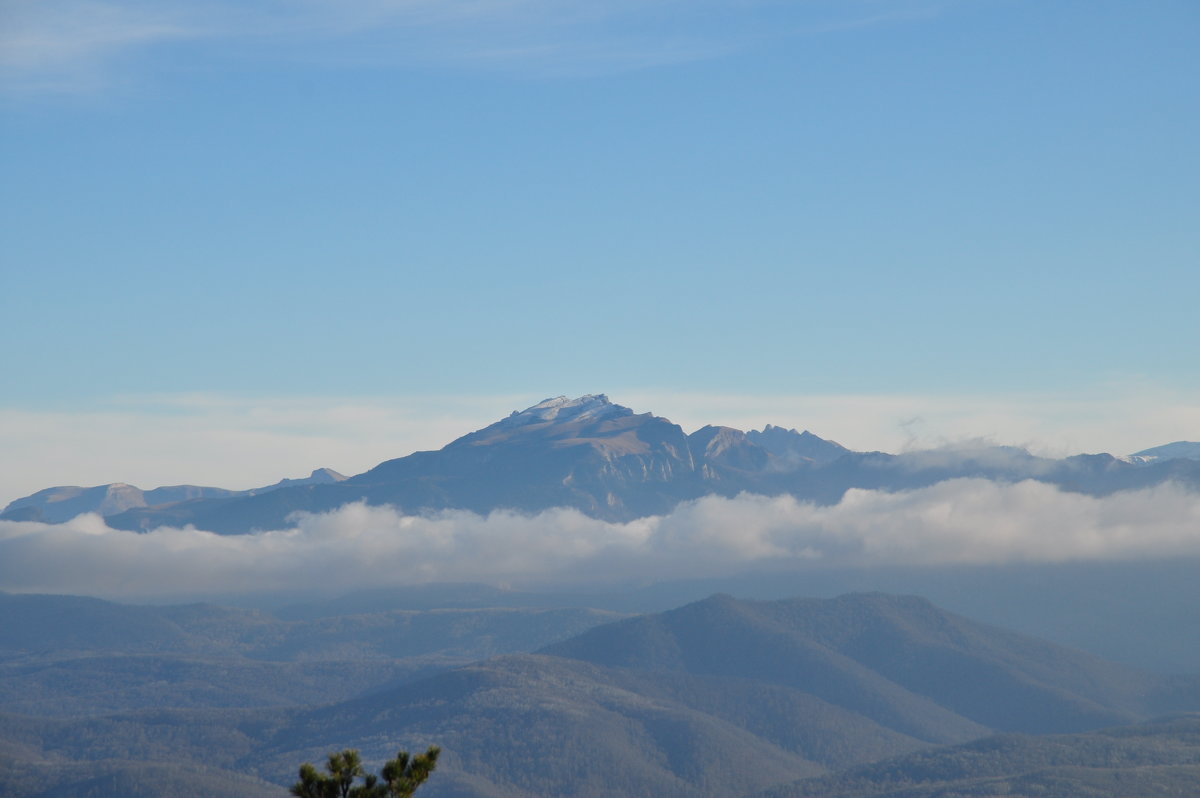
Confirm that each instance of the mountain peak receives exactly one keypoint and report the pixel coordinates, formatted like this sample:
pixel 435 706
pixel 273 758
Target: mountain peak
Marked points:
pixel 325 476
pixel 562 409
pixel 796 447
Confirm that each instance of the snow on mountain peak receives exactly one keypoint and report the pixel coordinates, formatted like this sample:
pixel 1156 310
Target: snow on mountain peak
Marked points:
pixel 1179 450
pixel 562 408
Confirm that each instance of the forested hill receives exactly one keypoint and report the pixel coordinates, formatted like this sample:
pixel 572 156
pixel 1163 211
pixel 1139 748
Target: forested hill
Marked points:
pixel 716 698
pixel 1159 759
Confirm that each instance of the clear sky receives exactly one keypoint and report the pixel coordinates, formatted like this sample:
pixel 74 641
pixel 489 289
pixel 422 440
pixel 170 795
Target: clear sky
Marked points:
pixel 244 239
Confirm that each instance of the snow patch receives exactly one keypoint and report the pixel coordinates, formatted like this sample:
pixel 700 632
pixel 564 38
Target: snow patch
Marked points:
pixel 589 407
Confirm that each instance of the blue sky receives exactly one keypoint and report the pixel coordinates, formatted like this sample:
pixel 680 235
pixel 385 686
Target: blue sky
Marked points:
pixel 961 217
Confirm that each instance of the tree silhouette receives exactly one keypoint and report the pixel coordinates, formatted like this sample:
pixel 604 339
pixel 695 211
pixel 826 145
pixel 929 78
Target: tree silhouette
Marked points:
pixel 399 778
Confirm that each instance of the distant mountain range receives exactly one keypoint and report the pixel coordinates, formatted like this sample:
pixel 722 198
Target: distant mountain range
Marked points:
pixel 721 697
pixel 56 505
pixel 608 462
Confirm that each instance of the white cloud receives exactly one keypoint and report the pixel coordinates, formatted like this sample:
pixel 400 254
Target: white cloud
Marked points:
pixel 957 522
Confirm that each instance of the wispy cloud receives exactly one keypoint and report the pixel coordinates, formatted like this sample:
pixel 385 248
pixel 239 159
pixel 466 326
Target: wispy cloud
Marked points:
pixel 64 44
pixel 952 523
pixel 73 44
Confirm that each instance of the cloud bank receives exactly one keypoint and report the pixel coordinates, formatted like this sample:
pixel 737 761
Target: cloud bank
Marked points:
pixel 958 522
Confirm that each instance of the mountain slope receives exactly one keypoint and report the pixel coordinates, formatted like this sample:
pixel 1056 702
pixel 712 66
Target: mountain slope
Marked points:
pixel 65 655
pixel 586 453
pixel 1179 450
pixel 898 660
pixel 708 698
pixel 126 779
pixel 1160 759
pixel 796 448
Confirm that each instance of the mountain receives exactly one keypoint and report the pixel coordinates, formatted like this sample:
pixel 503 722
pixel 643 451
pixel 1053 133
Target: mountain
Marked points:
pixel 720 697
pixel 1158 759
pixel 604 460
pixel 796 448
pixel 896 659
pixel 1179 450
pixel 586 453
pixel 56 505
pixel 319 476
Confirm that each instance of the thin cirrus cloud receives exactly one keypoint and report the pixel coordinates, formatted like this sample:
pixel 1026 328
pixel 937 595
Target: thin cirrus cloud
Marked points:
pixel 76 44
pixel 66 44
pixel 958 522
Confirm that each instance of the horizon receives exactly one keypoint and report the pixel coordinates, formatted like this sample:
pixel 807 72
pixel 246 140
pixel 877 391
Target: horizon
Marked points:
pixel 203 427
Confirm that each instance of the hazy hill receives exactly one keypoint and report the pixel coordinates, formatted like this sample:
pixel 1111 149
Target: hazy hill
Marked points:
pixel 124 779
pixel 898 660
pixel 708 698
pixel 1160 759
pixel 65 655
pixel 717 698
pixel 544 725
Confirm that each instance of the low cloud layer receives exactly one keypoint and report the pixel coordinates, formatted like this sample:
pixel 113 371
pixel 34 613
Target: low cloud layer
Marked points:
pixel 967 521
